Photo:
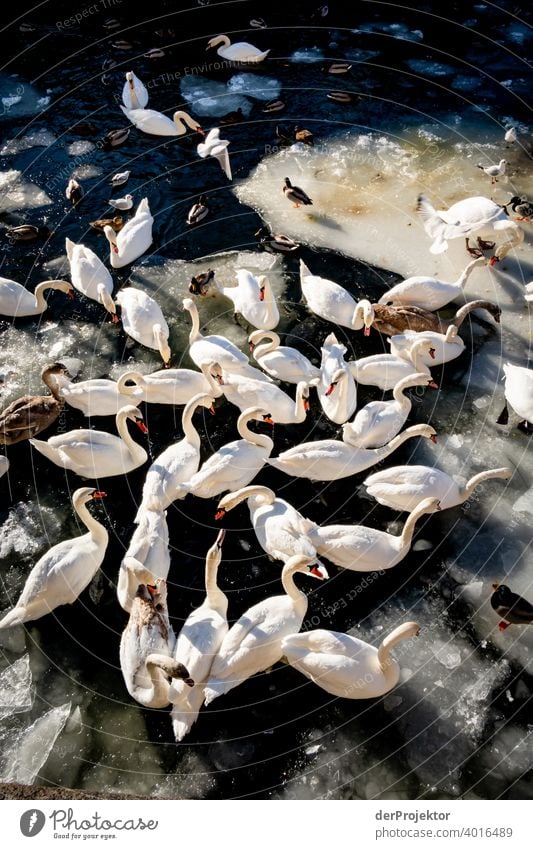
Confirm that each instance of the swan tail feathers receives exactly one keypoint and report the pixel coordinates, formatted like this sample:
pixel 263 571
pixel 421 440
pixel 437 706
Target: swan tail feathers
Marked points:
pixel 215 688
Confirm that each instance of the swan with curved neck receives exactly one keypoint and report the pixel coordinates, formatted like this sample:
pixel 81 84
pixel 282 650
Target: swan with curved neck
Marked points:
pixel 90 276
pixel 429 292
pixel 146 649
pixel 16 301
pixel 281 361
pixel 171 386
pixel 61 574
pixel 280 529
pixel 211 349
pixel 246 392
pixel 346 666
pixel 235 464
pixel 31 414
pixel 363 549
pixel 253 643
pixel 198 643
pixel 394 320
pixel 253 298
pixel 446 347
pixel 156 124
pixel 143 320
pixel 404 487
pixel 134 93
pixel 96 453
pixel 332 302
pixel 379 421
pixel 178 463
pixel 97 396
pixel 133 240
pixel 337 391
pixel 241 51
pixel 328 459
pixel 385 370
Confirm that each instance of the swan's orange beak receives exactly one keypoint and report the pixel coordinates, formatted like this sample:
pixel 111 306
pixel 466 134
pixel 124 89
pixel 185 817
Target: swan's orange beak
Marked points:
pixel 252 346
pixel 262 293
pixel 434 438
pixel 99 494
pixel 493 260
pixel 151 589
pixel 199 130
pixel 220 513
pixel 432 353
pixel 212 410
pixel 269 420
pixel 366 331
pixel 307 405
pixel 331 388
pixel 71 295
pixel 114 318
pixel 433 385
pixel 142 427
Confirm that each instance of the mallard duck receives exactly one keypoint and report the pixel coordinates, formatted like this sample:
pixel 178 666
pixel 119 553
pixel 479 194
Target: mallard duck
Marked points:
pixel 304 136
pixel 155 53
pixel 522 206
pixel 340 96
pixel 117 223
pixel 200 284
pixel 233 117
pixel 28 416
pixel 74 192
pixel 394 320
pixel 198 211
pixel 338 68
pixel 111 23
pixel 277 241
pixel 274 106
pixel 114 138
pixel 122 44
pixel 295 194
pixel 513 609
pixel 27 233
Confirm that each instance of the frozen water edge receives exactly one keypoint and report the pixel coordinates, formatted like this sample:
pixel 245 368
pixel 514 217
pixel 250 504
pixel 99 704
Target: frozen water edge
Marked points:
pixel 26 756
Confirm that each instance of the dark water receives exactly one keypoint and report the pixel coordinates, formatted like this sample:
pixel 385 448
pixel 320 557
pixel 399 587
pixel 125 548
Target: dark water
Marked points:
pixel 259 740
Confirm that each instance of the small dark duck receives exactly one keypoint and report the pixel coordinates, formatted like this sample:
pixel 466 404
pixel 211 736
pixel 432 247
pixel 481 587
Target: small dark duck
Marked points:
pixel 513 609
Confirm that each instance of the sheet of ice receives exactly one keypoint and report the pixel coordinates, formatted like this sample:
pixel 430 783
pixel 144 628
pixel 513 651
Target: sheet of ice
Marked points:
pixel 16 695
pixel 86 172
pixel 307 55
pixel 26 530
pixel 24 757
pixel 254 85
pixel 36 138
pixel 16 193
pixel 208 97
pixel 395 30
pixel 430 69
pixel 80 148
pixel 18 97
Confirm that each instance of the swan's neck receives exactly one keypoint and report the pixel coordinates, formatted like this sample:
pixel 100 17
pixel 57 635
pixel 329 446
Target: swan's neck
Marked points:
pixel 395 443
pixel 215 596
pixel 465 274
pixel 406 537
pixel 182 118
pixel 136 378
pixel 476 480
pixel 214 387
pixel 96 530
pixel 106 299
pixel 259 439
pixel 136 451
pixel 398 393
pixel 269 301
pixel 416 356
pixel 385 661
pixel 157 695
pixel 194 333
pixel 287 579
pixel 300 413
pixel 53 385
pixel 266 495
pixel 162 343
pixel 222 41
pixel 265 348
pixel 451 334
pixel 191 434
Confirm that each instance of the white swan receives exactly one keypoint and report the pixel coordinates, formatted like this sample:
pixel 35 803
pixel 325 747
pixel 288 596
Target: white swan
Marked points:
pixel 4 465
pixel 148 551
pixel 245 392
pixel 280 361
pixel 280 529
pixel 61 574
pixel 429 292
pixel 519 395
pixel 404 487
pixel 253 299
pixel 443 347
pixel 379 421
pixel 330 460
pixel 385 370
pixel 177 463
pixel 211 349
pixel 214 146
pixel 241 51
pixel 133 240
pixel 346 666
pixel 253 643
pixel 146 649
pixel 134 93
pixel 235 464
pixel 156 124
pixel 144 321
pixel 95 453
pixel 197 645
pixel 333 303
pixel 90 276
pixel 16 301
pixel 476 215
pixel 170 386
pixel 364 549
pixel 96 397
pixel 337 391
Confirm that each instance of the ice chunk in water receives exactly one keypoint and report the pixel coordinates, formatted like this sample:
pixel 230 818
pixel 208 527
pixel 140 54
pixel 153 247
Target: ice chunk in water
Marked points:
pixel 307 55
pixel 15 688
pixel 253 85
pixel 24 529
pixel 16 194
pixel 208 97
pixel 38 138
pixel 26 756
pixel 430 69
pixel 79 148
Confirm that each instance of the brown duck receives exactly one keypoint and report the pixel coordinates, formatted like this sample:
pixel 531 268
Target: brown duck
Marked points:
pixel 31 414
pixel 392 320
pixel 117 223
